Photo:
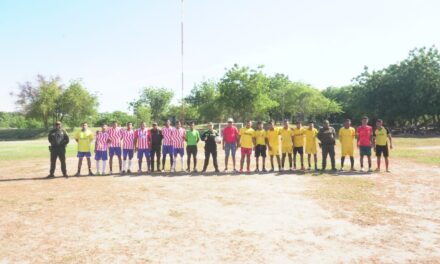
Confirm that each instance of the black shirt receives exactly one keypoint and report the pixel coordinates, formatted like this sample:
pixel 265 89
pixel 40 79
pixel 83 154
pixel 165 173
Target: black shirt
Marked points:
pixel 327 136
pixel 209 138
pixel 156 137
pixel 58 138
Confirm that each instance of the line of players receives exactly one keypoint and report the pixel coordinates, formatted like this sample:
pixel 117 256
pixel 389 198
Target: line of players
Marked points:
pixel 170 141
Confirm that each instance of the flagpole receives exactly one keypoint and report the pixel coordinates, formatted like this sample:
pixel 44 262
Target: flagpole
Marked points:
pixel 182 113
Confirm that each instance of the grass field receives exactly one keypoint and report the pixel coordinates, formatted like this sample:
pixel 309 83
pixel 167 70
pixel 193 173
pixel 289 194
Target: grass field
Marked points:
pixel 221 218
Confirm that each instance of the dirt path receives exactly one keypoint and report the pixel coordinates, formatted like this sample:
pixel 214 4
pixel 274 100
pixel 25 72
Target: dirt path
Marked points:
pixel 211 219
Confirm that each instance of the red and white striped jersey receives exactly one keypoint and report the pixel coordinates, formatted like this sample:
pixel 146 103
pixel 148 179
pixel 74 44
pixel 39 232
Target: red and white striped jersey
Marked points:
pixel 128 139
pixel 178 137
pixel 101 143
pixel 143 138
pixel 115 136
pixel 167 133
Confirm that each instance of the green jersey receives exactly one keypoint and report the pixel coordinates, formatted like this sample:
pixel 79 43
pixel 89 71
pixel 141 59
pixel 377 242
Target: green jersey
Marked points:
pixel 192 137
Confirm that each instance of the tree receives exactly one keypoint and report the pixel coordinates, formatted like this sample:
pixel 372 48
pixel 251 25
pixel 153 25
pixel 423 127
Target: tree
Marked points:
pixel 157 100
pixel 204 99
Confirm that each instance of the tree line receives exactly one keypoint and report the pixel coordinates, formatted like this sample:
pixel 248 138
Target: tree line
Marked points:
pixel 404 94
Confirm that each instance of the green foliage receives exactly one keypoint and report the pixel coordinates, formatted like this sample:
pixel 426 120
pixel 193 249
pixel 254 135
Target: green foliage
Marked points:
pixel 204 104
pixel 156 100
pixel 121 117
pixel 17 120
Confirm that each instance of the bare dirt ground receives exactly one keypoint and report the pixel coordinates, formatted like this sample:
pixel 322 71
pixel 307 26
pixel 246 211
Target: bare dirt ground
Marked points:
pixel 257 218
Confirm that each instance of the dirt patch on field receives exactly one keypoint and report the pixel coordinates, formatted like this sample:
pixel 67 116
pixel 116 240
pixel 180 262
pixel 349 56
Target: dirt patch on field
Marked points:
pixel 258 218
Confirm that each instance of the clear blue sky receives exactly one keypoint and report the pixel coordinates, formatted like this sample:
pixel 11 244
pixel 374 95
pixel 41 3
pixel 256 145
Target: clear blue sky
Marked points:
pixel 118 47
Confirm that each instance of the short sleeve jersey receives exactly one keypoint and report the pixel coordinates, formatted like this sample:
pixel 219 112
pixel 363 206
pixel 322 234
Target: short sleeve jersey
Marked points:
pixel 101 141
pixel 310 135
pixel 260 137
pixel 230 134
pixel 381 136
pixel 364 133
pixel 246 135
pixel 84 139
pixel 298 134
pixel 346 136
pixel 273 136
pixel 286 137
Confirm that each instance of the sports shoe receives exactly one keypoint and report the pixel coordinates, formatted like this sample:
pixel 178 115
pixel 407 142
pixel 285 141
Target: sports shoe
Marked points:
pixel 123 172
pixel 352 169
pixel 77 173
pixel 195 170
pixel 98 173
pixel 377 170
pixel 188 170
pixel 129 171
pixel 342 169
pixel 302 168
pixel 241 171
pixel 271 170
pixel 388 171
pixel 110 172
pixel 225 170
pixel 65 176
pixel 370 170
pixel 139 172
pixel 217 170
pixel 91 173
pixel 256 170
pixel 361 170
pixel 264 170
pixel 50 176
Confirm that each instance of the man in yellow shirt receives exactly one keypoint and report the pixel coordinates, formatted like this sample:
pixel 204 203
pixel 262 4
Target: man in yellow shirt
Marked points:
pixel 380 142
pixel 84 138
pixel 260 142
pixel 310 133
pixel 273 141
pixel 286 143
pixel 347 136
pixel 246 139
pixel 298 144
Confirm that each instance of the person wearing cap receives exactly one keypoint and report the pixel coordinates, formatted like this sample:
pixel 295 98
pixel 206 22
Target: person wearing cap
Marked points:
pixel 230 142
pixel 156 145
pixel 58 139
pixel 327 136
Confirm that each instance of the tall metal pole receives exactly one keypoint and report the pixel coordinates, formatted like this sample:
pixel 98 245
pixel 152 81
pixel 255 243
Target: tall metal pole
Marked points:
pixel 182 113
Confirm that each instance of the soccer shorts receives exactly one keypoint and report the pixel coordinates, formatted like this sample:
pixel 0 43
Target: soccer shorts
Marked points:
pixel 127 152
pixel 286 149
pixel 311 149
pixel 246 151
pixel 347 151
pixel 230 149
pixel 115 151
pixel 382 150
pixel 143 152
pixel 365 150
pixel 101 155
pixel 275 151
pixel 167 149
pixel 84 154
pixel 299 150
pixel 178 151
pixel 260 150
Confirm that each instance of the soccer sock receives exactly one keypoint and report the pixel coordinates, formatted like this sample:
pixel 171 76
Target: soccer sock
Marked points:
pixel 124 163
pixel 97 166
pixel 104 163
pixel 342 162
pixel 352 162
pixel 129 165
pixel 181 163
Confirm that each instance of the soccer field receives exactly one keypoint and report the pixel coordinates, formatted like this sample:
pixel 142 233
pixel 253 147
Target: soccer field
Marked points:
pixel 221 218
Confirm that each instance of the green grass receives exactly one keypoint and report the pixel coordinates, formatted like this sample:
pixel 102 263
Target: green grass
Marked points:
pixel 423 150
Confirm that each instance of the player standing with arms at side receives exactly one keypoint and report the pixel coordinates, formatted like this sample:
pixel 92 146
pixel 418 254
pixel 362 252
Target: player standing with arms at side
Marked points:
pixel 142 143
pixel 286 144
pixel 58 139
pixel 178 144
pixel 273 136
pixel 230 142
pixel 209 137
pixel 127 148
pixel 156 146
pixel 192 137
pixel 327 136
pixel 167 148
pixel 347 135
pixel 115 137
pixel 101 148
pixel 364 137
pixel 260 142
pixel 298 144
pixel 84 137
pixel 311 133
pixel 380 142
pixel 246 136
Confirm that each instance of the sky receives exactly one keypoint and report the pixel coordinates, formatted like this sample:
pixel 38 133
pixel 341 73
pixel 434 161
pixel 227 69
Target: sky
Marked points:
pixel 118 47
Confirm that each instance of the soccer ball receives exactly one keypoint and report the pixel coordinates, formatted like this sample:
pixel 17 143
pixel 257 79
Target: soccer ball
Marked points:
pixel 218 139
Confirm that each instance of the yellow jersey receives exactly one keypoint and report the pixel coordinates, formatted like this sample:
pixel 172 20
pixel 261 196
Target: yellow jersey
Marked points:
pixel 273 136
pixel 260 137
pixel 381 136
pixel 347 136
pixel 286 137
pixel 84 139
pixel 298 134
pixel 246 136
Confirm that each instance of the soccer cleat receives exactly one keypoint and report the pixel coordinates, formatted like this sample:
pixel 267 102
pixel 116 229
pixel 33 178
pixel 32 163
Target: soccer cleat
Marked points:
pixel 361 170
pixel 50 176
pixel 217 170
pixel 139 172
pixel 195 170
pixel 77 173
pixel 91 173
pixel 65 176
pixel 226 170
pixel 377 170
pixel 388 171
pixel 241 170
pixel 271 170
pixel 110 172
pixel 256 170
pixel 302 168
pixel 264 170
pixel 203 171
pixel 370 170
pixel 123 172
pixel 188 170
pixel 342 169
pixel 129 171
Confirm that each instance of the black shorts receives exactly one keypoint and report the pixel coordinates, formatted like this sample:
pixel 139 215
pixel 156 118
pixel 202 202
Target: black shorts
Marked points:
pixel 260 150
pixel 299 150
pixel 191 150
pixel 382 150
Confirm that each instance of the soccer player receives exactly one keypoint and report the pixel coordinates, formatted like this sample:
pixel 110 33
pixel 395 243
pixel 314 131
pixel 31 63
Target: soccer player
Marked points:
pixel 298 144
pixel 58 139
pixel 101 148
pixel 230 142
pixel 260 142
pixel 192 137
pixel 115 137
pixel 178 144
pixel 142 143
pixel 364 138
pixel 327 136
pixel 210 146
pixel 84 137
pixel 167 148
pixel 156 145
pixel 380 141
pixel 347 135
pixel 127 148
pixel 311 133
pixel 246 135
pixel 286 144
pixel 273 136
